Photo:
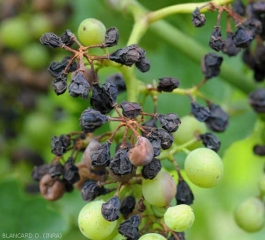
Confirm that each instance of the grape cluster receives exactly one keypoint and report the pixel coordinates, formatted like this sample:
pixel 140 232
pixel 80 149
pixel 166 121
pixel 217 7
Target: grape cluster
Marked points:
pixel 120 173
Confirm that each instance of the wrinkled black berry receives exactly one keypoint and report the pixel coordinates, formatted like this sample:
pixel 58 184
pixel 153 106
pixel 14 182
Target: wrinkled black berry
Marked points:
pixel 127 206
pixel 79 86
pixel 91 119
pixel 39 171
pixel 201 113
pixel 111 37
pixel 184 193
pixel 230 48
pixel 67 185
pixel 51 40
pixel 170 122
pixel 239 8
pixel 143 65
pixel 110 91
pixel 216 41
pixel 211 63
pixel 55 169
pixel 242 38
pixel 129 227
pixel 67 38
pixel 166 139
pixel 150 170
pixel 118 80
pixel 59 85
pixel 210 141
pixel 257 100
pixel 130 109
pixel 57 68
pixel 60 144
pixel 259 150
pixel 156 143
pixel 101 157
pixel 70 171
pixel 110 209
pixel 219 119
pixel 90 190
pixel 253 26
pixel 198 19
pixel 167 84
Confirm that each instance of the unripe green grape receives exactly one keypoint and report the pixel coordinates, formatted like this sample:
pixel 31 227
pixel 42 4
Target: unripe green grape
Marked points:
pixel 159 191
pixel 14 33
pixel 92 224
pixel 261 184
pixel 204 167
pixel 91 31
pixel 249 215
pixel 152 236
pixel 179 218
pixel 187 129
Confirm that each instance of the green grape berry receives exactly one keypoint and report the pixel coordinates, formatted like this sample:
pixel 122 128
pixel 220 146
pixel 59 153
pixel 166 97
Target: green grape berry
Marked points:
pixel 204 167
pixel 159 191
pixel 261 184
pixel 249 215
pixel 152 236
pixel 92 224
pixel 179 218
pixel 91 31
pixel 187 129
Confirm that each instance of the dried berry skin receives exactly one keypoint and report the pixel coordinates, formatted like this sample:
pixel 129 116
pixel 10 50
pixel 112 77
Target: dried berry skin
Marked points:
pixel 79 86
pixel 184 194
pixel 60 144
pixel 201 113
pixel 57 68
pixel 129 227
pixel 110 91
pixel 110 209
pixel 51 40
pixel 127 206
pixel 118 80
pixel 70 171
pixel 101 157
pixel 167 84
pixel 259 150
pixel 111 37
pixel 156 143
pixel 216 40
pixel 55 169
pixel 39 171
pixel 219 119
pixel 150 170
pixel 91 190
pixel 59 84
pixel 211 63
pixel 230 48
pixel 210 141
pixel 166 139
pixel 91 119
pixel 67 38
pixel 170 122
pixel 253 26
pixel 143 65
pixel 257 100
pixel 198 19
pixel 130 109
pixel 242 38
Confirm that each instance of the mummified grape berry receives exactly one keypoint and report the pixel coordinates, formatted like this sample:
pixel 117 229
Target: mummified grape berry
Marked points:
pixel 204 167
pixel 91 222
pixel 57 68
pixel 158 135
pixel 230 48
pixel 216 40
pixel 118 80
pixel 170 122
pixel 127 206
pixel 39 171
pixel 91 190
pixel 150 170
pixel 250 215
pixel 198 19
pixel 167 84
pixel 79 86
pixel 210 65
pixel 210 141
pixel 242 38
pixel 55 169
pixel 201 113
pixel 60 144
pixel 130 109
pixel 70 171
pixel 59 85
pixel 184 194
pixel 91 119
pixel 129 227
pixel 51 40
pixel 110 209
pixel 111 37
pixel 257 100
pixel 152 236
pixel 91 147
pixel 101 156
pixel 68 38
pixel 142 153
pixel 179 218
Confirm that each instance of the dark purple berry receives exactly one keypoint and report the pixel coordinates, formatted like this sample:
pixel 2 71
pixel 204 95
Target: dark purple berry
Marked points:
pixel 70 171
pixel 216 41
pixel 90 190
pixel 118 80
pixel 201 113
pixel 101 157
pixel 60 144
pixel 129 227
pixel 39 171
pixel 110 209
pixel 242 38
pixel 211 63
pixel 111 37
pixel 257 100
pixel 127 206
pixel 57 68
pixel 210 141
pixel 230 48
pixel 110 91
pixel 198 19
pixel 67 38
pixel 167 84
pixel 51 40
pixel 184 193
pixel 59 84
pixel 150 170
pixel 143 65
pixel 130 109
pixel 166 139
pixel 55 169
pixel 170 122
pixel 79 86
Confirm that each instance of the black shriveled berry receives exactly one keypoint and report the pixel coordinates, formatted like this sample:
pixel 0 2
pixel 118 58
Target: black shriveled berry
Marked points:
pixel 170 122
pixel 253 26
pixel 130 109
pixel 166 139
pixel 110 209
pixel 127 206
pixel 167 84
pixel 55 169
pixel 201 113
pixel 39 171
pixel 156 143
pixel 118 80
pixel 198 19
pixel 59 84
pixel 57 68
pixel 111 37
pixel 219 119
pixel 148 125
pixel 239 8
pixel 143 65
pixel 60 144
pixel 257 100
pixel 79 86
pixel 68 38
pixel 51 40
pixel 230 48
pixel 184 194
pixel 211 63
pixel 110 91
pixel 70 171
pixel 150 170
pixel 101 157
pixel 120 164
pixel 129 227
pixel 67 185
pixel 216 41
pixel 210 141
pixel 91 119
pixel 90 190
pixel 242 38
pixel 259 150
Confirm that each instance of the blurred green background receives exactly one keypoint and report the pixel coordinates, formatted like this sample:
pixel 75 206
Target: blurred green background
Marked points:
pixel 31 114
